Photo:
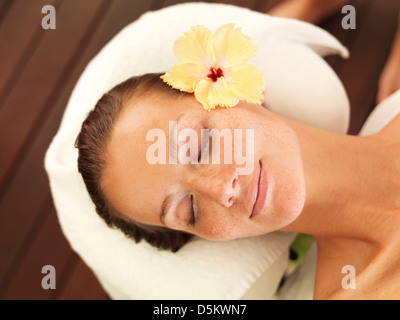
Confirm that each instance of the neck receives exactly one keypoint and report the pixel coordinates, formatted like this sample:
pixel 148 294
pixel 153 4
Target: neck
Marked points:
pixel 347 186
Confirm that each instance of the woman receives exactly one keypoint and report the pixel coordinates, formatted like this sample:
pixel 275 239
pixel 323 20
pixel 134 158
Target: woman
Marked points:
pixel 343 190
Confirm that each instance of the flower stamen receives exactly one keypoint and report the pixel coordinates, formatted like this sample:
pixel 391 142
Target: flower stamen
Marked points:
pixel 215 74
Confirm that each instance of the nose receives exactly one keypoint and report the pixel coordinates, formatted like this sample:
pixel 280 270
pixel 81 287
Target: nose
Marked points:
pixel 220 185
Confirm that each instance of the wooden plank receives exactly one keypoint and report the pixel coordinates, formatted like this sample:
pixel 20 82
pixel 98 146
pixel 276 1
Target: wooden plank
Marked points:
pixel 45 246
pixel 3 3
pixel 347 37
pixel 20 33
pixel 34 188
pixel 250 4
pixel 120 14
pixel 82 285
pixel 42 78
pixel 5 6
pixel 31 183
pixel 38 88
pixel 266 5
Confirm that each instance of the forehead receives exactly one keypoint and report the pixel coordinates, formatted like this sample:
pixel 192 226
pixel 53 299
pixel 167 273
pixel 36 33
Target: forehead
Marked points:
pixel 135 187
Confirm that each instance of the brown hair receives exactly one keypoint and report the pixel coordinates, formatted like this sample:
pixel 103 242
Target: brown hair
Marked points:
pixel 92 142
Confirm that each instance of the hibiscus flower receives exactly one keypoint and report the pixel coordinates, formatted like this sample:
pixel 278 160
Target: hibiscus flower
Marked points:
pixel 215 67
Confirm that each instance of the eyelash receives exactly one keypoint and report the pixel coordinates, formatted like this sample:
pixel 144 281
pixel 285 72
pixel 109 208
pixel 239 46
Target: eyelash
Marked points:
pixel 192 220
pixel 203 144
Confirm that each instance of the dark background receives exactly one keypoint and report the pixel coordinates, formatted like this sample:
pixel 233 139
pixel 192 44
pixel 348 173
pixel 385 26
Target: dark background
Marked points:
pixel 38 70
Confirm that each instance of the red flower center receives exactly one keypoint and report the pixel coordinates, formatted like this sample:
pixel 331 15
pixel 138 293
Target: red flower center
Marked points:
pixel 215 74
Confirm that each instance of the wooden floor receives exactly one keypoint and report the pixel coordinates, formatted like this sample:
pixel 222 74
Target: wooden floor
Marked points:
pixel 38 70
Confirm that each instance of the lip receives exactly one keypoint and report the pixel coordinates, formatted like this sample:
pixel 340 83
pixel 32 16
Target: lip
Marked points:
pixel 258 192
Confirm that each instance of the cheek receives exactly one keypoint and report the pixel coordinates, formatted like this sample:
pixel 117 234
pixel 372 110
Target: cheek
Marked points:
pixel 218 225
pixel 289 201
pixel 287 179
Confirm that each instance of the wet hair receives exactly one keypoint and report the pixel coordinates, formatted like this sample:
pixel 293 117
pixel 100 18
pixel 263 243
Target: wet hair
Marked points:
pixel 92 143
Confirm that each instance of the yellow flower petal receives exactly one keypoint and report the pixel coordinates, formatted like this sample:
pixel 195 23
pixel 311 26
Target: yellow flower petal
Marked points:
pixel 231 46
pixel 214 67
pixel 246 81
pixel 212 94
pixel 185 76
pixel 195 46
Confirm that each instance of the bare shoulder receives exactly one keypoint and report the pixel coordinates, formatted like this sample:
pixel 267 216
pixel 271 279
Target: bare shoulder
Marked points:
pixel 379 281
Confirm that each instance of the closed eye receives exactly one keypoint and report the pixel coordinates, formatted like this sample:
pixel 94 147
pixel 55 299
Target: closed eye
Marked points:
pixel 192 212
pixel 203 146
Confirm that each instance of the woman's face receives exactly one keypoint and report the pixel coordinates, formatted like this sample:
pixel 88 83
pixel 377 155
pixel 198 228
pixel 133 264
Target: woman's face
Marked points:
pixel 210 200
